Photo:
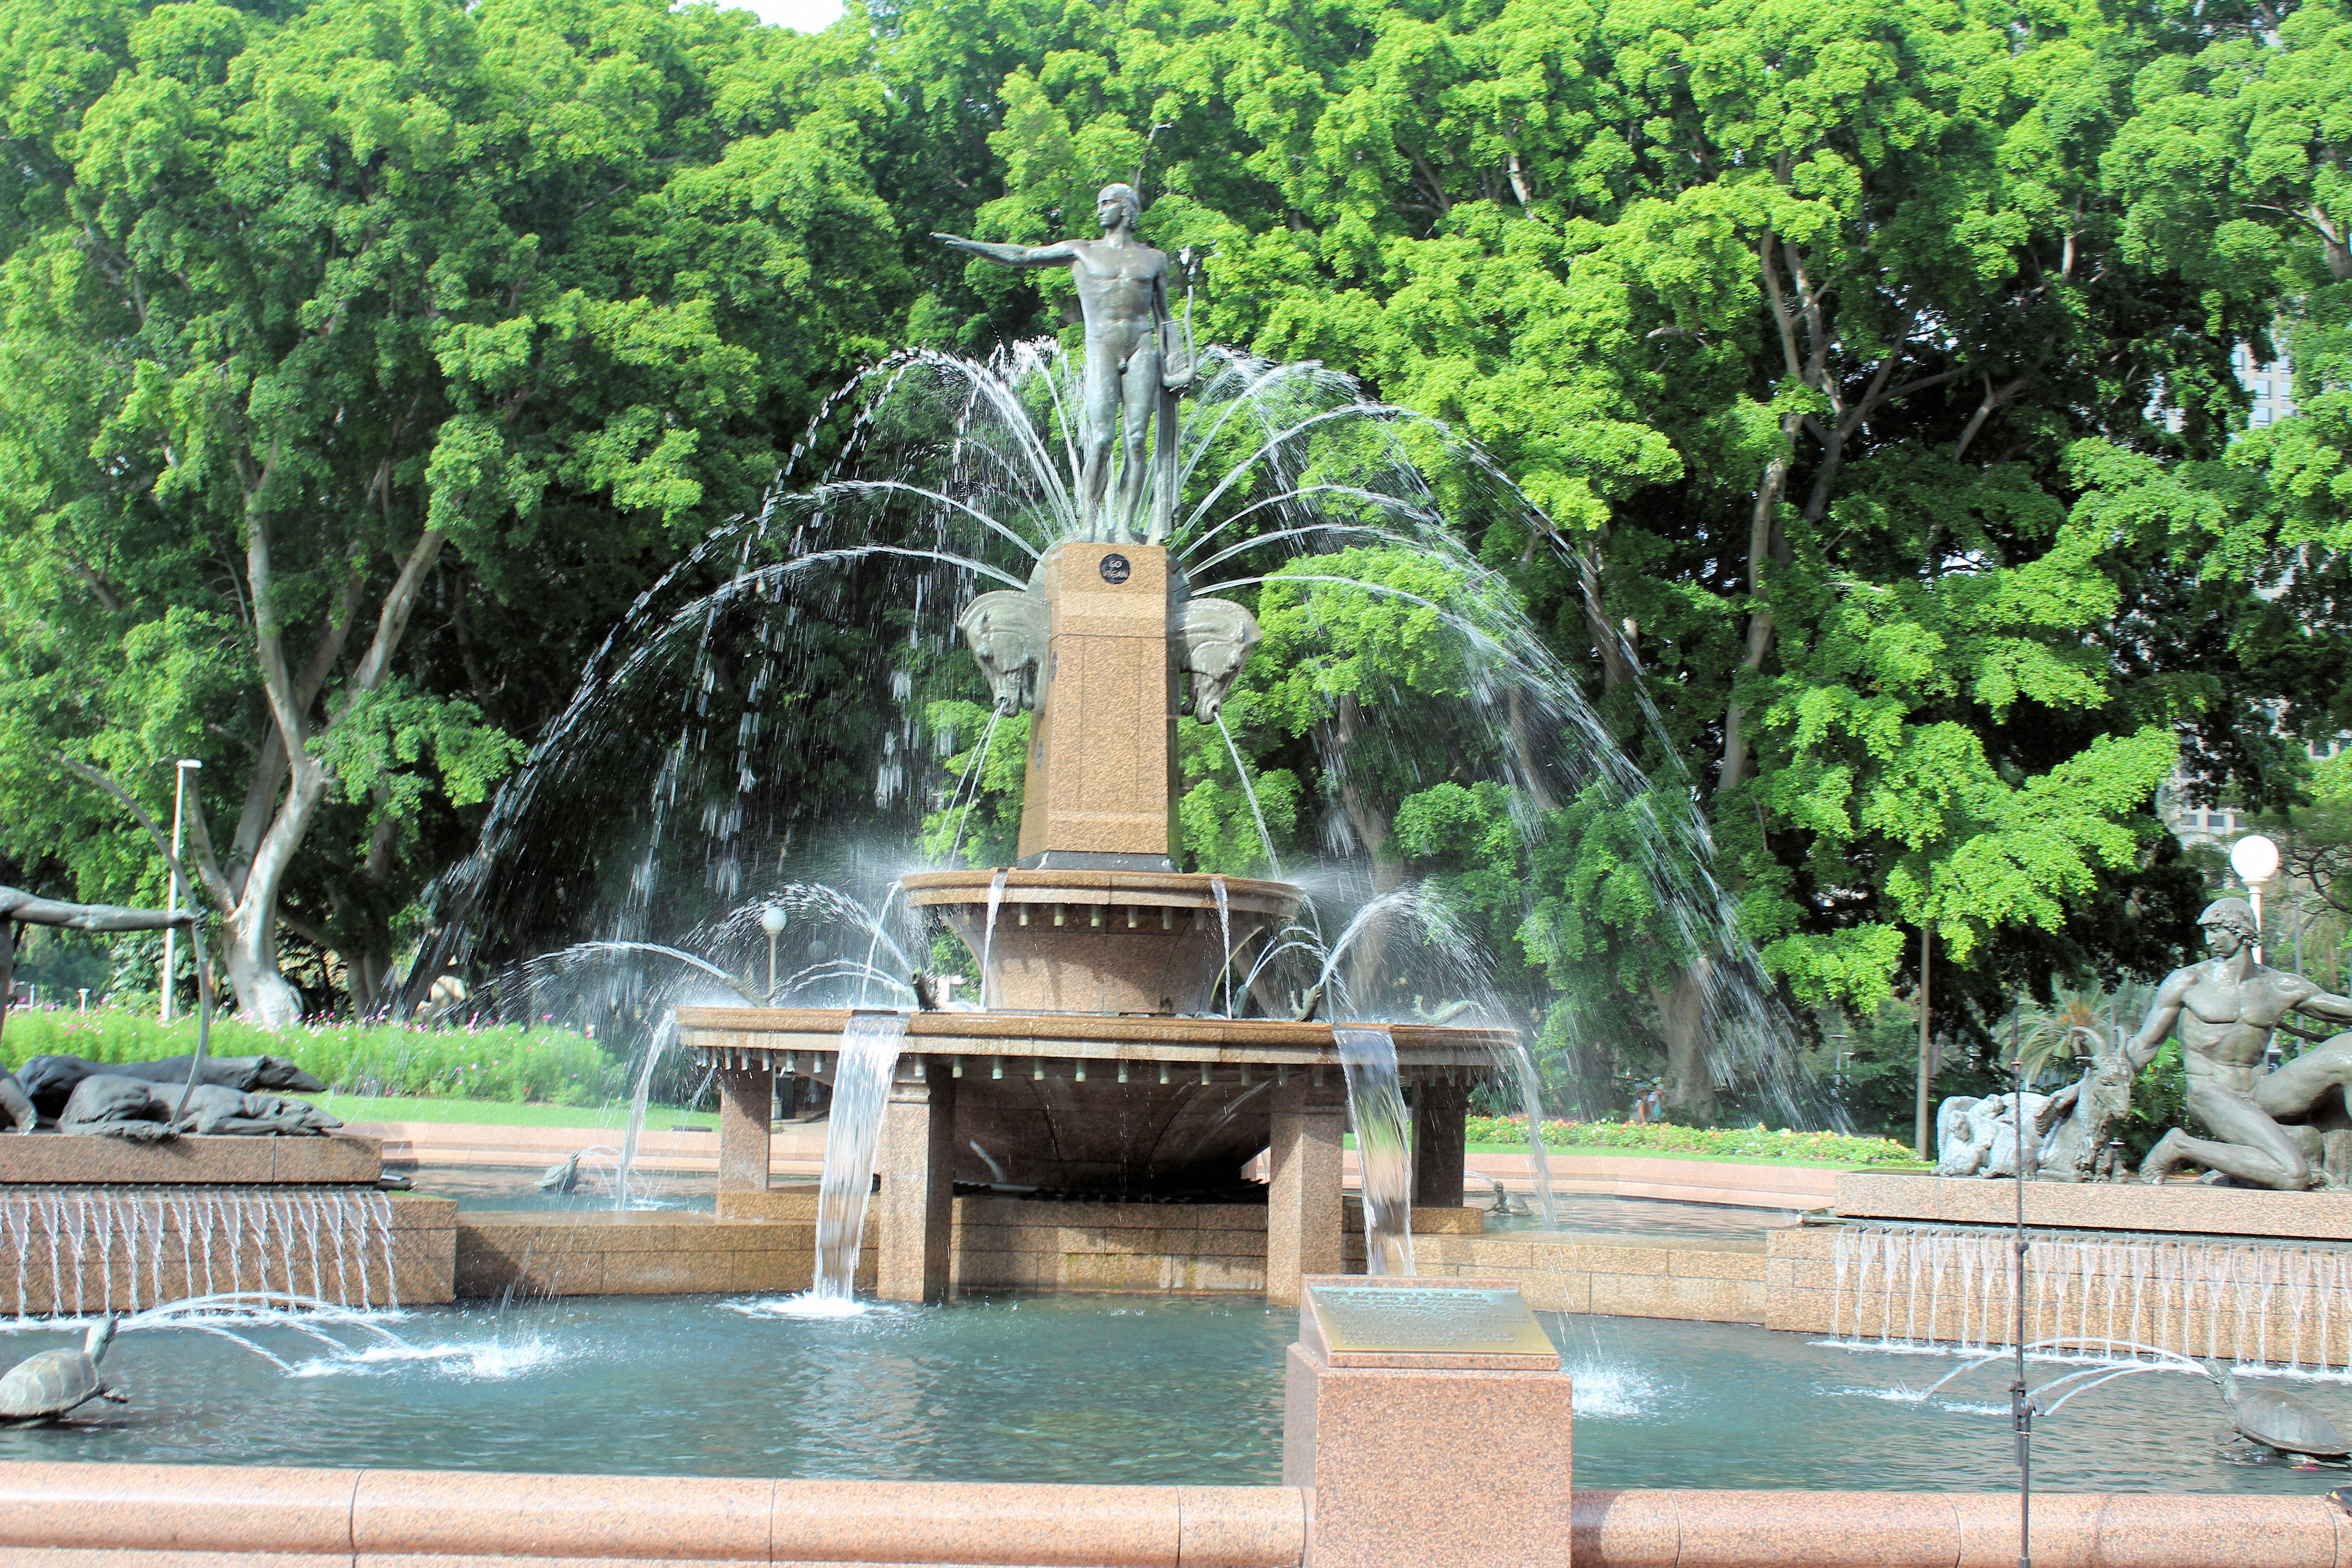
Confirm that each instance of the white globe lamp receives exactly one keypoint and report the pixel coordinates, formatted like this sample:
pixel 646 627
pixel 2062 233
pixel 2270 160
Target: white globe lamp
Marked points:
pixel 772 920
pixel 2256 860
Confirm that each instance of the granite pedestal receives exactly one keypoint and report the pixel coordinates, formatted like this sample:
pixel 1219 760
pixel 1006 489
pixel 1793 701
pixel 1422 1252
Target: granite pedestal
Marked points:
pixel 1395 1429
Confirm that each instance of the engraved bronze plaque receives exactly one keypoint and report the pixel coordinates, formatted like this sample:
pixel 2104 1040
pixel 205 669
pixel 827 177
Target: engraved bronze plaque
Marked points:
pixel 1377 1321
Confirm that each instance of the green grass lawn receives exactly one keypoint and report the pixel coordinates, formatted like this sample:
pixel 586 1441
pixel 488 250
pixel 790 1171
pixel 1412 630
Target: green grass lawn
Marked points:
pixel 1678 1154
pixel 1685 1154
pixel 504 1113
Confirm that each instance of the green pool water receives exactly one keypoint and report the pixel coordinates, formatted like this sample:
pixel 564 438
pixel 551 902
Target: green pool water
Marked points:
pixel 1077 1388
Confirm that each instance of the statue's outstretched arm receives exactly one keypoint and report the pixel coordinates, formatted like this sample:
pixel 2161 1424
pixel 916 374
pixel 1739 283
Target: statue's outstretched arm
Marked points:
pixel 18 905
pixel 2322 1005
pixel 1013 255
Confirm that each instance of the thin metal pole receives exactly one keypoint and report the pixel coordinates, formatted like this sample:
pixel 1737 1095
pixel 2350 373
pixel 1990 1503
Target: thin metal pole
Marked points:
pixel 1919 1118
pixel 171 934
pixel 2021 1408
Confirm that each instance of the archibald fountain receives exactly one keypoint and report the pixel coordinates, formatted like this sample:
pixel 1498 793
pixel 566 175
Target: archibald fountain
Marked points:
pixel 1094 1071
pixel 1424 1420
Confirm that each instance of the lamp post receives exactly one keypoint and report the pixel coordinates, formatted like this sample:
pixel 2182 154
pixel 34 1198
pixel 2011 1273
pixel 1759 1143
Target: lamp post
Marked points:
pixel 2256 860
pixel 171 934
pixel 772 920
pixel 1927 1068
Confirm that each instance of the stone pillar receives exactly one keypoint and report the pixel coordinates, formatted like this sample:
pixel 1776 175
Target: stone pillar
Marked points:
pixel 1433 1429
pixel 747 1097
pixel 1102 775
pixel 1303 1219
pixel 1438 1110
pixel 914 1208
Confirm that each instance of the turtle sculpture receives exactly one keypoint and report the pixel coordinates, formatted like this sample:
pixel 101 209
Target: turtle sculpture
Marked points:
pixel 561 1177
pixel 43 1387
pixel 2277 1422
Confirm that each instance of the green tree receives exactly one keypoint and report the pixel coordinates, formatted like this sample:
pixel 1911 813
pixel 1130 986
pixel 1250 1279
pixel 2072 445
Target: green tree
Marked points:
pixel 1827 342
pixel 326 329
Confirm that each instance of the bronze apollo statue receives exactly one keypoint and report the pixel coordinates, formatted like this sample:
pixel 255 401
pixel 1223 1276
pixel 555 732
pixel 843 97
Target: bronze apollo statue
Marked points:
pixel 1135 366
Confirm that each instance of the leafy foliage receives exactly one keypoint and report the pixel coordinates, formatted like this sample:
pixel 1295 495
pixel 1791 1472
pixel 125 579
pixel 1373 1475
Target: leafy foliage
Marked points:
pixel 497 1062
pixel 1744 1142
pixel 1867 368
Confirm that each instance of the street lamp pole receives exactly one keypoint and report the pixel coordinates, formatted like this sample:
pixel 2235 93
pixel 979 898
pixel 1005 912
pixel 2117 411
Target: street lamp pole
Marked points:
pixel 1926 1072
pixel 171 934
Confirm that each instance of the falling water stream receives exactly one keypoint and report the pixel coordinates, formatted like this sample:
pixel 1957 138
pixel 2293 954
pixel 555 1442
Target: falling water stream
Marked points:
pixel 988 941
pixel 1376 1114
pixel 861 1093
pixel 1249 793
pixel 1522 1063
pixel 1224 940
pixel 664 1032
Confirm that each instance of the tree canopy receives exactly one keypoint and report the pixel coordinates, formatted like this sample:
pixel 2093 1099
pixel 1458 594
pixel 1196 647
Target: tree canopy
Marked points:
pixel 1865 369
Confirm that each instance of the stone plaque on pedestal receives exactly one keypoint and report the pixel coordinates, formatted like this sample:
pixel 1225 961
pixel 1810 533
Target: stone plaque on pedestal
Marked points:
pixel 1399 1395
pixel 1426 1323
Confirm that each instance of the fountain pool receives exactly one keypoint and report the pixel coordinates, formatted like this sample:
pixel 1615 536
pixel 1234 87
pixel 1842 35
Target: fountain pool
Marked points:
pixel 484 1188
pixel 1106 1389
pixel 496 1188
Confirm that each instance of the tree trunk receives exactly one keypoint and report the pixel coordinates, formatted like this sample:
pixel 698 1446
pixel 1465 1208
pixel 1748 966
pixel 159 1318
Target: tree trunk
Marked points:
pixel 1681 1016
pixel 250 900
pixel 1613 643
pixel 1763 532
pixel 263 996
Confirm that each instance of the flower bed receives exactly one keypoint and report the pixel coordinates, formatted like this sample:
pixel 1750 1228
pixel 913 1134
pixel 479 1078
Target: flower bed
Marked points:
pixel 1753 1142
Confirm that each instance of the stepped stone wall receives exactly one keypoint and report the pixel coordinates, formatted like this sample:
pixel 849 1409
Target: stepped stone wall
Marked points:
pixel 642 1252
pixel 71 1251
pixel 2234 1297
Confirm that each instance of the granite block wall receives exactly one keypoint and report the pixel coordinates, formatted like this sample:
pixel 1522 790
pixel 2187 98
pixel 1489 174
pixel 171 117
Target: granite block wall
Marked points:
pixel 95 1250
pixel 639 1252
pixel 1144 1248
pixel 1719 1282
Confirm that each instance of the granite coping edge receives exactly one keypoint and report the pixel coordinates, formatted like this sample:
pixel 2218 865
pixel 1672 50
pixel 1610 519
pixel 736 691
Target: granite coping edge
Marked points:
pixel 202 1512
pixel 2172 1208
pixel 198 1512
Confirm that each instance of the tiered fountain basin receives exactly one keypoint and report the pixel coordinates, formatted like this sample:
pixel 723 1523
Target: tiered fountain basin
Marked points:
pixel 1105 941
pixel 1145 1122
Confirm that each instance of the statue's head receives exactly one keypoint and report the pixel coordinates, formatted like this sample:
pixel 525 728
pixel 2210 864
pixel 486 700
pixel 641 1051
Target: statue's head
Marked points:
pixel 1119 198
pixel 2235 917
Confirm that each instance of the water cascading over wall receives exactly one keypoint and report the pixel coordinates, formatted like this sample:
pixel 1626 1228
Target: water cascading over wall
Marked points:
pixel 70 1251
pixel 2229 1299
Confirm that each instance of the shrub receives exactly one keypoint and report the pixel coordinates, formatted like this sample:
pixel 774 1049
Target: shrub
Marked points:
pixel 1753 1141
pixel 499 1061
